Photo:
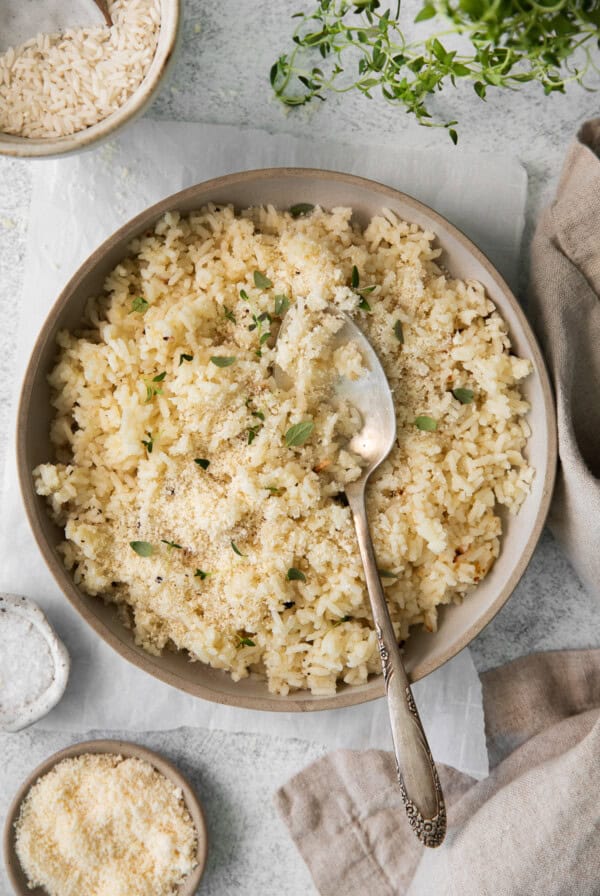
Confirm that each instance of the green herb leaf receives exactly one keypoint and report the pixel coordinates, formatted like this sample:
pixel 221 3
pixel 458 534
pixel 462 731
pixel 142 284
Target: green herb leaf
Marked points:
pixel 453 135
pixel 343 619
pixel 264 338
pixel 295 575
pixel 159 377
pixel 299 433
pixel 366 290
pixel 387 574
pixel 202 462
pixel 465 396
pixel 236 550
pixel 261 281
pixel 139 304
pixel 302 208
pixel 427 12
pixel 364 305
pixel 425 423
pixel 282 303
pixel 252 433
pixel 221 361
pixel 143 548
pixel 398 331
pixel 148 443
pixel 355 278
pixel 244 295
pixel 229 314
pixel 246 642
pixel 273 489
pixel 258 414
pixel 200 574
pixel 171 544
pixel 183 358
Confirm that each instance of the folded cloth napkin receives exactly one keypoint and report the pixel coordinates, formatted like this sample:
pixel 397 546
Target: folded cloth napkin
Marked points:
pixel 532 828
pixel 565 311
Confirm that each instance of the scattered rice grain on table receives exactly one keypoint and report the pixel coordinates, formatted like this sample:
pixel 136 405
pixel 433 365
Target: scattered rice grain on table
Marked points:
pixel 251 562
pixel 57 84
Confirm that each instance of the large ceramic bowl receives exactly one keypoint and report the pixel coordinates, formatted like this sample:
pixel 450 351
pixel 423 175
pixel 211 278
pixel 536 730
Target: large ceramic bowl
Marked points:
pixel 138 102
pixel 112 747
pixel 283 187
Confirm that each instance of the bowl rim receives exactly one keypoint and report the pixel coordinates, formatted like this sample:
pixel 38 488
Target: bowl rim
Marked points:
pixel 12 145
pixel 295 701
pixel 125 748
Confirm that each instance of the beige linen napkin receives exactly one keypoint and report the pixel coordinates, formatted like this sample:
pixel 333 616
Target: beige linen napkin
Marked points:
pixel 565 310
pixel 532 828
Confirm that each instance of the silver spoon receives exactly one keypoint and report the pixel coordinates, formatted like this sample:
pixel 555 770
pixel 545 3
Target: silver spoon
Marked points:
pixel 21 20
pixel 417 774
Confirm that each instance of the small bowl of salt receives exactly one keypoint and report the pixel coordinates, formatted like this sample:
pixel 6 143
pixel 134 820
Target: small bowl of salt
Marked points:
pixel 34 664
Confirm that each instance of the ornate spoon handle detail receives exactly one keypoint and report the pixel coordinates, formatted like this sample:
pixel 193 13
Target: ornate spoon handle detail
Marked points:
pixel 417 774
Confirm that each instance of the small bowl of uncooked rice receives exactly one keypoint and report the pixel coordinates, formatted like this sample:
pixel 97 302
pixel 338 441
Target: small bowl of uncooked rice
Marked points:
pixel 184 457
pixel 109 818
pixel 63 91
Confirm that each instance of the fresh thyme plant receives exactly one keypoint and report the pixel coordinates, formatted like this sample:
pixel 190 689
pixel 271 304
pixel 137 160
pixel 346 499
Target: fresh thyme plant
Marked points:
pixel 508 43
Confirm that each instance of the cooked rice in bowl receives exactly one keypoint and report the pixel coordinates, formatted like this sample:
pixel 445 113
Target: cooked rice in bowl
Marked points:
pixel 207 503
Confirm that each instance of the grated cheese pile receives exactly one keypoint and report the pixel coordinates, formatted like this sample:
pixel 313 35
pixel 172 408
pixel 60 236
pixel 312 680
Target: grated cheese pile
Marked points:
pixel 107 826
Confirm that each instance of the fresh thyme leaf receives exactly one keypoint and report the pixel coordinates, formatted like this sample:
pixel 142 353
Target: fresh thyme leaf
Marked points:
pixel 222 361
pixel 301 209
pixel 142 548
pixel 273 489
pixel 425 423
pixel 246 642
pixel 236 550
pixel 366 290
pixel 398 331
pixel 261 281
pixel 148 443
pixel 159 377
pixel 202 462
pixel 258 414
pixel 200 574
pixel 229 314
pixel 183 358
pixel 139 304
pixel 244 295
pixel 465 396
pixel 282 303
pixel 343 619
pixel 364 305
pixel 299 433
pixel 355 277
pixel 253 432
pixel 264 338
pixel 295 575
pixel 171 544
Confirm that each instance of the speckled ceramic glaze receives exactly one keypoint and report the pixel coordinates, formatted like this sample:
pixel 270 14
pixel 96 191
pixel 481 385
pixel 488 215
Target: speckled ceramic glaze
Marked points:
pixel 282 187
pixel 19 717
pixel 115 747
pixel 34 148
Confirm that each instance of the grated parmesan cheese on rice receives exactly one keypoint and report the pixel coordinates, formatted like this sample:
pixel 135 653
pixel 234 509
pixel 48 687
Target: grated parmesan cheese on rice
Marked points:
pixel 108 826
pixel 138 402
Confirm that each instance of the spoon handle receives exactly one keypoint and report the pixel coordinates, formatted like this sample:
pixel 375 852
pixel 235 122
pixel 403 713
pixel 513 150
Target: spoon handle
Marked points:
pixel 417 774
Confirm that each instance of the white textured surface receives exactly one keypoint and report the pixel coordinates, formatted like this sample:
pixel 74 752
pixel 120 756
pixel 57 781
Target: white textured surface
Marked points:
pixel 221 77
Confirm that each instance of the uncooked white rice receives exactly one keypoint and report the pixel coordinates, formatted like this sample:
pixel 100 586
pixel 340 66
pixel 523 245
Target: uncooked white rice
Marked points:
pixel 57 84
pixel 126 469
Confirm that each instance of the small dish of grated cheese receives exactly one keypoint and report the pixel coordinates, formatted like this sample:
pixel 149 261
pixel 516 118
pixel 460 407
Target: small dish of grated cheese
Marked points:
pixel 107 818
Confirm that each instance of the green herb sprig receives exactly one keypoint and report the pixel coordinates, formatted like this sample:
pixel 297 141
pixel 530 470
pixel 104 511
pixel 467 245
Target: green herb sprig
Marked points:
pixel 362 46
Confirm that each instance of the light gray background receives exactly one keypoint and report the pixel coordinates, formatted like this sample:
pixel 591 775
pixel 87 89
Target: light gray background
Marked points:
pixel 221 76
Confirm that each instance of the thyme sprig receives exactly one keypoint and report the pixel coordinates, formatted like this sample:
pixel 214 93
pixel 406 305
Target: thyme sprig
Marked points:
pixel 363 47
